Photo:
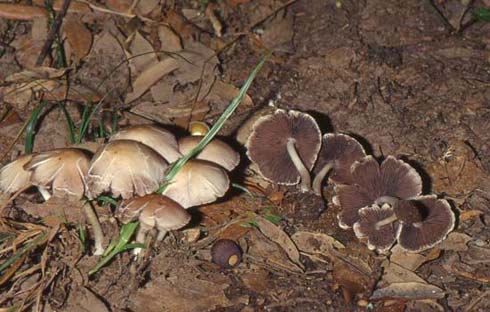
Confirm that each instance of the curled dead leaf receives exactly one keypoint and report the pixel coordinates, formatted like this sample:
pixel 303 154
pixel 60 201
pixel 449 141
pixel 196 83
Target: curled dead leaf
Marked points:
pixel 408 291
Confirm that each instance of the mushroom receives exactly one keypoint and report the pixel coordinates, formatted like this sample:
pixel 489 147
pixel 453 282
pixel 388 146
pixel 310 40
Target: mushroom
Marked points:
pixel 13 176
pixel 159 139
pixel 338 153
pixel 216 151
pixel 226 253
pixel 198 128
pixel 125 168
pixel 198 182
pixel 372 184
pixel 380 235
pixel 425 221
pixel 285 146
pixel 63 172
pixel 153 211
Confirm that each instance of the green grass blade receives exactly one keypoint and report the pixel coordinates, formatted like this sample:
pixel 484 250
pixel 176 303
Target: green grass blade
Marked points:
pixel 482 14
pixel 82 236
pixel 86 115
pixel 69 121
pixel 216 127
pixel 21 252
pixel 31 125
pixel 126 233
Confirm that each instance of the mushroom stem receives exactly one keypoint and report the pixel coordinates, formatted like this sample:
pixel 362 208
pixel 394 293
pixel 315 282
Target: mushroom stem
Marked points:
pixel 96 228
pixel 141 237
pixel 161 235
pixel 44 192
pixel 386 200
pixel 317 181
pixel 298 163
pixel 386 221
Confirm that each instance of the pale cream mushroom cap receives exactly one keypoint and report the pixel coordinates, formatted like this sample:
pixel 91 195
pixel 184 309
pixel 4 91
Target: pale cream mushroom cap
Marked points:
pixel 61 170
pixel 159 139
pixel 125 168
pixel 198 182
pixel 216 151
pixel 162 212
pixel 13 176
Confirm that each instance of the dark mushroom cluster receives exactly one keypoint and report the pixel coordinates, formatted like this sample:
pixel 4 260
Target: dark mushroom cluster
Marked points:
pixel 381 202
pixel 132 165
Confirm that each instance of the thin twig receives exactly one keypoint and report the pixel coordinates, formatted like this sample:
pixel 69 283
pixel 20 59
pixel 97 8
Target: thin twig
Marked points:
pixel 53 32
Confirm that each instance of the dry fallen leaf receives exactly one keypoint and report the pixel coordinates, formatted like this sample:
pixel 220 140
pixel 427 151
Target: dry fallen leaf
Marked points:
pixel 78 36
pixel 141 54
pixel 277 235
pixel 169 40
pixel 408 291
pixel 409 260
pixel 21 12
pixel 316 243
pixel 149 77
pixel 455 241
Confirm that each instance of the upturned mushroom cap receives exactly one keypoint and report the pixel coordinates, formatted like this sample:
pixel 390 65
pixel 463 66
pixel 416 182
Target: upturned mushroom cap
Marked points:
pixel 340 150
pixel 267 144
pixel 154 210
pixel 125 168
pixel 198 182
pixel 13 176
pixel 62 170
pixel 159 139
pixel 437 221
pixel 216 151
pixel 379 238
pixel 394 178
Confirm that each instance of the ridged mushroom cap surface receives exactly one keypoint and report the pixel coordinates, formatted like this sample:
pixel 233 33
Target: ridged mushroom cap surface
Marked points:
pixel 377 238
pixel 13 176
pixel 394 178
pixel 154 210
pixel 198 182
pixel 216 151
pixel 267 144
pixel 159 139
pixel 341 150
pixel 62 170
pixel 125 168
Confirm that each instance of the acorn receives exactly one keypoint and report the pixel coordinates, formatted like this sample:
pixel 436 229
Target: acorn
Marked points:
pixel 226 253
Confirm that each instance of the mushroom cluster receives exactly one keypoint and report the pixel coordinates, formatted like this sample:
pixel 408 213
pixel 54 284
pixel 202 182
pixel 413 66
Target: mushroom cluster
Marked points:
pixel 132 165
pixel 381 202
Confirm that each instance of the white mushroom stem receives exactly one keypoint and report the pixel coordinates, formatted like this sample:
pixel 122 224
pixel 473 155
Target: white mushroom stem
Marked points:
pixel 96 228
pixel 386 221
pixel 44 192
pixel 143 229
pixel 298 163
pixel 386 200
pixel 317 182
pixel 161 235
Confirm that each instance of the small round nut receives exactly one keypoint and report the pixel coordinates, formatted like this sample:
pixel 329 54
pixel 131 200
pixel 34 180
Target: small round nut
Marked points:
pixel 198 128
pixel 226 253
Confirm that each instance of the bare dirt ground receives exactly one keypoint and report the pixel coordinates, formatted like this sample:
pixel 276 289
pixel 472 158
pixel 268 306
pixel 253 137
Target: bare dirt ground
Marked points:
pixel 409 79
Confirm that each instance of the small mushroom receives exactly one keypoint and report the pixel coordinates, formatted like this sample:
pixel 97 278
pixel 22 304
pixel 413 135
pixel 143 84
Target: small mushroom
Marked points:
pixel 153 211
pixel 159 139
pixel 380 235
pixel 338 153
pixel 285 146
pixel 13 176
pixel 63 172
pixel 226 253
pixel 198 182
pixel 372 184
pixel 216 151
pixel 425 221
pixel 125 168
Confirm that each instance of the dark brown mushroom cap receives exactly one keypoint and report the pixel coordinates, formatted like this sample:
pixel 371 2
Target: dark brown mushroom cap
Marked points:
pixel 125 167
pixel 216 151
pixel 62 170
pixel 438 221
pixel 394 178
pixel 159 139
pixel 378 238
pixel 198 182
pixel 410 211
pixel 13 176
pixel 267 144
pixel 341 150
